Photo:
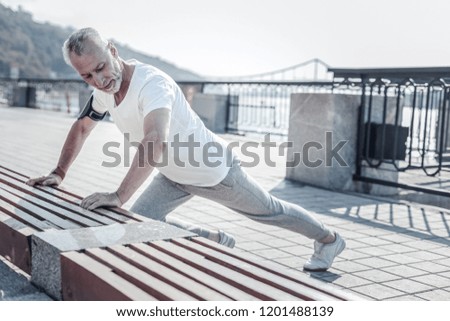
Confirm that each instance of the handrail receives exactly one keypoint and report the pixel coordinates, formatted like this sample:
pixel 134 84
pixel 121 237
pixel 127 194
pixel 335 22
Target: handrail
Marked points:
pixel 393 74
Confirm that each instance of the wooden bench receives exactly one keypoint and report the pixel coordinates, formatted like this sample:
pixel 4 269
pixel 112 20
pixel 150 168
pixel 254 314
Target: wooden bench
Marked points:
pixel 25 210
pixel 184 269
pixel 177 268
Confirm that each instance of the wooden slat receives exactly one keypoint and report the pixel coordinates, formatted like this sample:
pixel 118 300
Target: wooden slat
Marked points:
pixel 167 275
pixel 84 278
pixel 14 242
pixel 22 216
pixel 59 210
pixel 84 217
pixel 21 178
pixel 34 209
pixel 13 172
pixel 301 291
pixel 274 268
pixel 117 214
pixel 245 283
pixel 192 273
pixel 144 281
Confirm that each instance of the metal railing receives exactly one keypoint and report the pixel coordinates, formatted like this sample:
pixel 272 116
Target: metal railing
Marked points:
pixel 260 107
pixel 403 122
pixel 51 94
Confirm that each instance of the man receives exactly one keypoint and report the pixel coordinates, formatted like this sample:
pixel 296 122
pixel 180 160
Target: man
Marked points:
pixel 149 107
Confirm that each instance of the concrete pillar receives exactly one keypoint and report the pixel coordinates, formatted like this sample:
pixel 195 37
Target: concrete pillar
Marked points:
pixel 314 119
pixel 48 245
pixel 321 123
pixel 190 90
pixel 212 109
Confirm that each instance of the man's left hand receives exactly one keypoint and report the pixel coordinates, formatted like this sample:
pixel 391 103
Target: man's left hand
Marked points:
pixel 101 200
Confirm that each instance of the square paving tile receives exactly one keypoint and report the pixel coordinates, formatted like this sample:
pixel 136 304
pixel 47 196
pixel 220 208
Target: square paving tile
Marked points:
pixel 375 232
pixel 277 243
pixel 378 291
pixel 407 297
pixel 445 262
pixel 271 253
pixel 433 280
pixel 408 286
pixel 374 241
pixel 397 238
pixel 404 271
pixel 254 236
pixel 349 266
pixel 355 244
pixel 349 281
pixel 423 244
pixel 292 262
pixel 377 276
pixel 425 255
pixel 251 246
pixel 443 250
pixel 401 258
pixel 374 251
pixel 349 254
pixel 298 250
pixel 445 274
pixel 430 267
pixel 375 262
pixel 435 295
pixel 288 235
pixel 398 248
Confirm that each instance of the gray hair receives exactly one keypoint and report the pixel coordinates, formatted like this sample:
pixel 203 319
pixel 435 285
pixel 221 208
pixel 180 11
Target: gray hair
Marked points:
pixel 76 42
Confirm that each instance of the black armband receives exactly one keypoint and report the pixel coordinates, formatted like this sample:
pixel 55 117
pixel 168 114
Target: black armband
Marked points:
pixel 88 111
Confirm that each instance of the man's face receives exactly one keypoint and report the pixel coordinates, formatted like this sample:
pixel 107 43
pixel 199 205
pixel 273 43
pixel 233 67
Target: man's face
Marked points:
pixel 99 66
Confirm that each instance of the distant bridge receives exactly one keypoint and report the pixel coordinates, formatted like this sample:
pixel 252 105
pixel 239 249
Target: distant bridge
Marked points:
pixel 310 70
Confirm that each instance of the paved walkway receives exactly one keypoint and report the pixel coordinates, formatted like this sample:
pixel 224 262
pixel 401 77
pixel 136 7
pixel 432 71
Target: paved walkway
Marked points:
pixel 395 250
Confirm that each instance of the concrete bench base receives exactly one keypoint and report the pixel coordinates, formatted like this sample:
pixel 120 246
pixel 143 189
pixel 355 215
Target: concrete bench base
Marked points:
pixel 47 246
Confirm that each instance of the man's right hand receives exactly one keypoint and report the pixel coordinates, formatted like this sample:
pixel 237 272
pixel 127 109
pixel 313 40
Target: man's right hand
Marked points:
pixel 51 179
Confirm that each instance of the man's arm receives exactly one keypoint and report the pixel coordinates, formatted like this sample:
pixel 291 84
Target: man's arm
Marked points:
pixel 75 139
pixel 156 128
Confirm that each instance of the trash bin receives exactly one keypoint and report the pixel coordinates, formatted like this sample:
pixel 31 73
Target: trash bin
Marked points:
pixel 386 148
pixel 24 96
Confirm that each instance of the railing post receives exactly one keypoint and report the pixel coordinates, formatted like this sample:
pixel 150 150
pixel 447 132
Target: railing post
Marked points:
pixel 228 107
pixel 361 130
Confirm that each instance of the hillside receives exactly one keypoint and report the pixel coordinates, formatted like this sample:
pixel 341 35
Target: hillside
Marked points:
pixel 35 48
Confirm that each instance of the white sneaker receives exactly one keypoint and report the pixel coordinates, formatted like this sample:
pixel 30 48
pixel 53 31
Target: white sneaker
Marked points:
pixel 324 255
pixel 226 239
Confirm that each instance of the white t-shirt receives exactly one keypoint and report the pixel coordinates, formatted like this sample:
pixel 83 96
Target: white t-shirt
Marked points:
pixel 194 155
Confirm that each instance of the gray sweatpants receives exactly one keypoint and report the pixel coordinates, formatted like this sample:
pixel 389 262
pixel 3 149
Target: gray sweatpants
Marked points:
pixel 237 191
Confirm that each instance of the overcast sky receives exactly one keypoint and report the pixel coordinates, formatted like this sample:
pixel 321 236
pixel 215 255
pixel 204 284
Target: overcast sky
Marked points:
pixel 240 37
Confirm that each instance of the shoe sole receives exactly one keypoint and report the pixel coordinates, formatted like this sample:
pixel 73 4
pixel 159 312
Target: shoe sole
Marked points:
pixel 325 269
